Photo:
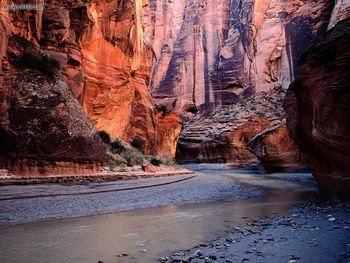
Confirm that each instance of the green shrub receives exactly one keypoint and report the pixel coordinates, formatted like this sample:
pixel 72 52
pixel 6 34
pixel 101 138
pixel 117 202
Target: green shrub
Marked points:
pixel 32 58
pixel 105 137
pixel 112 165
pixel 164 109
pixel 156 162
pixel 123 169
pixel 133 157
pixel 168 162
pixel 119 160
pixel 117 146
pixel 138 143
pixel 47 65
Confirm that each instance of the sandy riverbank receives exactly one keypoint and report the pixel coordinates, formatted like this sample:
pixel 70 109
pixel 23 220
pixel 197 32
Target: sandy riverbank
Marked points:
pixel 81 178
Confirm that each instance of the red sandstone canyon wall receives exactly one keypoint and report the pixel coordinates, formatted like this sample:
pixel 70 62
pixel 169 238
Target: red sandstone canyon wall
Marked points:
pixel 318 111
pixel 117 65
pixel 217 52
pixel 102 57
pixel 277 151
pixel 222 65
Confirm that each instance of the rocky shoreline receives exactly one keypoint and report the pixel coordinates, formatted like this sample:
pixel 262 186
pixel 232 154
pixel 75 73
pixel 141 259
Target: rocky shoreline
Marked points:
pixel 319 232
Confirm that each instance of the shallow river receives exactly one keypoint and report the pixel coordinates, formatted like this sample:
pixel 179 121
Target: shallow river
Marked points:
pixel 150 233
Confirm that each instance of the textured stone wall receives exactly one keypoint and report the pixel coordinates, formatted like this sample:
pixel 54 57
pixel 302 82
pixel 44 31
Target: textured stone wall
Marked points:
pixel 117 65
pixel 218 52
pixel 103 58
pixel 43 128
pixel 122 58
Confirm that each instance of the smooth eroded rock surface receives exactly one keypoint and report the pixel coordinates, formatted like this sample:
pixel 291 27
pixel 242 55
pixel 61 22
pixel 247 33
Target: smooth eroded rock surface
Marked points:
pixel 318 111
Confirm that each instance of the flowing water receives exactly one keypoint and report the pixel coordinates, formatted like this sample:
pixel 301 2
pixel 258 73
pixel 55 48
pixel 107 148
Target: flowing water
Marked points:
pixel 148 234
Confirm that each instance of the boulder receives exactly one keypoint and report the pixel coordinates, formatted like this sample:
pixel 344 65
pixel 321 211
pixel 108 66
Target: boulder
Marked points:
pixel 277 151
pixel 148 168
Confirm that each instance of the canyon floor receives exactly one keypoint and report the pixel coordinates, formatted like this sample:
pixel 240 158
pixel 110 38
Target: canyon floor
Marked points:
pixel 224 215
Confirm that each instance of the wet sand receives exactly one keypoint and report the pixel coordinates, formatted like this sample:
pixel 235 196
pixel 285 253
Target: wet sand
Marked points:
pixel 208 186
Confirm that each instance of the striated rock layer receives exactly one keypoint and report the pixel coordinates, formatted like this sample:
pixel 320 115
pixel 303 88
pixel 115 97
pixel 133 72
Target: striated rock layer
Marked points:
pixel 229 146
pixel 243 135
pixel 318 111
pixel 211 53
pixel 340 12
pixel 223 136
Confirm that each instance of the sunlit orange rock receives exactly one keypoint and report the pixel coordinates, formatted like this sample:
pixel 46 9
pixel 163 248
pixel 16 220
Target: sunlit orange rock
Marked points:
pixel 149 168
pixel 117 65
pixel 103 59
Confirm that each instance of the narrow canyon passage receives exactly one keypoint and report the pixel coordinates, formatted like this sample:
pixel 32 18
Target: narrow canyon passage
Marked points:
pixel 175 131
pixel 184 214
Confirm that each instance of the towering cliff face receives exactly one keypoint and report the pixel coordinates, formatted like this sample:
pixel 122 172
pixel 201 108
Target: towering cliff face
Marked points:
pixel 191 54
pixel 216 52
pixel 219 54
pixel 318 111
pixel 100 48
pixel 117 66
pixel 43 128
pixel 100 45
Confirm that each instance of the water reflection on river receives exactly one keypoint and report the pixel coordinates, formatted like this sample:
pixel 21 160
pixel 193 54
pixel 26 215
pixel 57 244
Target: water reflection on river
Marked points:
pixel 145 235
